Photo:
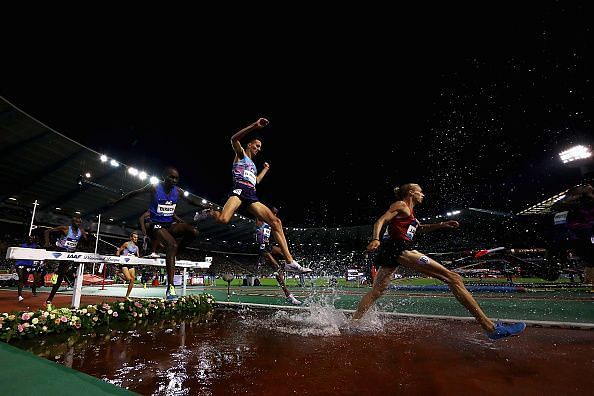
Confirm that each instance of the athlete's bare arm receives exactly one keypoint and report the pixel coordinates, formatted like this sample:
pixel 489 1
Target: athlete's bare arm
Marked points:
pixel 263 172
pixel 236 138
pixel 394 210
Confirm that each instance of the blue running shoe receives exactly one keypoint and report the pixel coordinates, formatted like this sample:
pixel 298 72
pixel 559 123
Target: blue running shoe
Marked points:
pixel 170 293
pixel 503 330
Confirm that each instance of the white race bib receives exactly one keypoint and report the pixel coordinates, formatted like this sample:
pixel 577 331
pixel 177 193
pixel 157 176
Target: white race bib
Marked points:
pixel 166 210
pixel 70 244
pixel 266 232
pixel 412 229
pixel 249 175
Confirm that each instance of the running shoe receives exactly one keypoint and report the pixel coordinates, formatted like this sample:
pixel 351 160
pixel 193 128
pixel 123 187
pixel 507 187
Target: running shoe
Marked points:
pixel 291 298
pixel 503 330
pixel 294 266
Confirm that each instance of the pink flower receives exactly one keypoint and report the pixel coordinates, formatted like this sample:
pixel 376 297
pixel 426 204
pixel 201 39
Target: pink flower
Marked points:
pixel 25 316
pixel 134 314
pixel 77 325
pixel 115 314
pixel 64 319
pixel 21 328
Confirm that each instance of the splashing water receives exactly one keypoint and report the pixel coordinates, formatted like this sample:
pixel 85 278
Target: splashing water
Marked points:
pixel 319 318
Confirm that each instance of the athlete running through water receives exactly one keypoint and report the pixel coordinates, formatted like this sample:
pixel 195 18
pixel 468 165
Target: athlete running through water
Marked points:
pixel 398 249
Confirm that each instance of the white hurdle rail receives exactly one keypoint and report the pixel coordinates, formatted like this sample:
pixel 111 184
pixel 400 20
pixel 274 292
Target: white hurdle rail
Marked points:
pixel 20 253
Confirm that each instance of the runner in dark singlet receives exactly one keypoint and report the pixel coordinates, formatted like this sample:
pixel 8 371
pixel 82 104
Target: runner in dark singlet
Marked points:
pixel 398 249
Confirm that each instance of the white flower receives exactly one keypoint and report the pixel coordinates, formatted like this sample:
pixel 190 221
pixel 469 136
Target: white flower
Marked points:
pixel 35 321
pixel 52 316
pixel 109 312
pixel 84 310
pixel 44 328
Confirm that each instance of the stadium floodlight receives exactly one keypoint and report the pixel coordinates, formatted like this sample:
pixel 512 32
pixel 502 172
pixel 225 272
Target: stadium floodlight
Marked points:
pixel 133 171
pixel 575 153
pixel 154 180
pixel 88 175
pixel 114 163
pixel 142 175
pixel 204 201
pixel 186 193
pixel 103 158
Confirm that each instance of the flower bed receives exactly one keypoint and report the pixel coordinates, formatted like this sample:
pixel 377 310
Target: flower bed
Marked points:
pixel 18 325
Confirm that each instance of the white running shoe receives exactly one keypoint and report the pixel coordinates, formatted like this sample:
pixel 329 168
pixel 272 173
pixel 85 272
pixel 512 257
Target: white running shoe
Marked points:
pixel 201 215
pixel 21 298
pixel 293 300
pixel 153 255
pixel 294 266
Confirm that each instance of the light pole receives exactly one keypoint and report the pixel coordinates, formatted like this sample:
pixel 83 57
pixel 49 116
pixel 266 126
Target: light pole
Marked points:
pixel 579 156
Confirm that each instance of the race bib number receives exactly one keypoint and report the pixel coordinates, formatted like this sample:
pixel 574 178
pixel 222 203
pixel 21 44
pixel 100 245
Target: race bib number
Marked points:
pixel 266 232
pixel 166 210
pixel 249 175
pixel 237 191
pixel 70 244
pixel 412 230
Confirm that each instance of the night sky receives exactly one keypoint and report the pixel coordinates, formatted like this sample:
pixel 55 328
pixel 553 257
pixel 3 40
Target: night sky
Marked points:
pixel 474 109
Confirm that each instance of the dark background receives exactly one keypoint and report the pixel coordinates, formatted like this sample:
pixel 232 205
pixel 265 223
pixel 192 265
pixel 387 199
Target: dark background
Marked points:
pixel 473 104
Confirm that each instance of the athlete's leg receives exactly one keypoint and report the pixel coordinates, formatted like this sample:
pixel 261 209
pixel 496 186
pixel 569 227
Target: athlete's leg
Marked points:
pixel 36 276
pixel 23 275
pixel 63 267
pixel 170 250
pixel 279 277
pixel 230 207
pixel 382 280
pixel 261 211
pixel 421 263
pixel 186 232
pixel 130 275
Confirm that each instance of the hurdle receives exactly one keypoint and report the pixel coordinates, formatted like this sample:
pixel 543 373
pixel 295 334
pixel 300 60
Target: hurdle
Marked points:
pixel 20 253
